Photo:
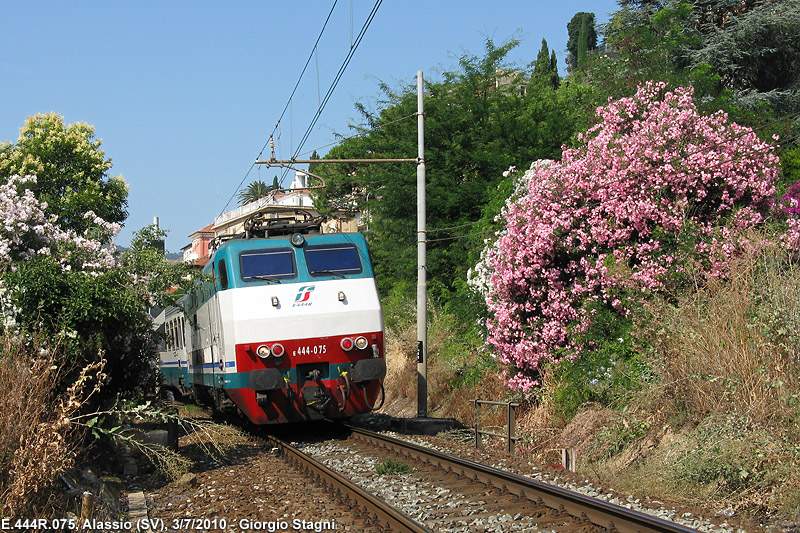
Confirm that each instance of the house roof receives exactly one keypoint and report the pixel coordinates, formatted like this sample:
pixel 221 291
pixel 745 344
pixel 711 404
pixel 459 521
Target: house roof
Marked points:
pixel 203 261
pixel 206 230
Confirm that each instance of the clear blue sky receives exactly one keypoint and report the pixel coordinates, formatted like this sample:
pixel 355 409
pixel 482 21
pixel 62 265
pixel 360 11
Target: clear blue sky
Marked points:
pixel 185 94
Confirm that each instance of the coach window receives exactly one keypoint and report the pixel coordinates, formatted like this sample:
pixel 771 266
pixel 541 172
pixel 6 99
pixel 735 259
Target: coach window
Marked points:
pixel 333 260
pixel 223 274
pixel 268 265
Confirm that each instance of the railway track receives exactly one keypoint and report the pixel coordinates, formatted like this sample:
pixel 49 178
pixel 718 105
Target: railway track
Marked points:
pixel 374 511
pixel 467 496
pixel 550 502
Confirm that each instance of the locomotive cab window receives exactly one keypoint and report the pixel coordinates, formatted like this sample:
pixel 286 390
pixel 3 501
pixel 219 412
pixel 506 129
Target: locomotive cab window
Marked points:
pixel 267 264
pixel 223 274
pixel 333 260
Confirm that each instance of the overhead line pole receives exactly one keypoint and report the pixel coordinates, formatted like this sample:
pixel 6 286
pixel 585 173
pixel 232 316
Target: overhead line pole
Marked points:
pixel 422 282
pixel 422 268
pixel 322 161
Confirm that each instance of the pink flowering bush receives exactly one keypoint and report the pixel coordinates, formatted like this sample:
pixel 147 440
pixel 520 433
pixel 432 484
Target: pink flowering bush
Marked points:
pixel 653 191
pixel 791 200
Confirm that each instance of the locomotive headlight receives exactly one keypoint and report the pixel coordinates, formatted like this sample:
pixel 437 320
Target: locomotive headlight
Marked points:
pixel 275 301
pixel 341 296
pixel 298 240
pixel 361 343
pixel 263 351
pixel 346 344
pixel 277 350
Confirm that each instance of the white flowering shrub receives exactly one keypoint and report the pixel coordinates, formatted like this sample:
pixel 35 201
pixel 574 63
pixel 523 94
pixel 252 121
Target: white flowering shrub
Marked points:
pixel 69 287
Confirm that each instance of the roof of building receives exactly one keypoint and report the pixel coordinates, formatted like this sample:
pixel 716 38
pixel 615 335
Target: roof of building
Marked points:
pixel 200 263
pixel 206 230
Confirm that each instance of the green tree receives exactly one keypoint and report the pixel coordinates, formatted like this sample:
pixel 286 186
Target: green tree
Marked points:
pixel 69 289
pixel 475 129
pixel 106 314
pixel 739 56
pixel 545 69
pixel 275 183
pixel 757 54
pixel 157 281
pixel 582 38
pixel 312 166
pixel 254 191
pixel 653 44
pixel 71 169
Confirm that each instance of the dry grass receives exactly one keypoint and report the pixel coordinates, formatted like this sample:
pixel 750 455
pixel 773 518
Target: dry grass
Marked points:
pixel 444 362
pixel 725 411
pixel 37 438
pixel 44 425
pixel 733 346
pixel 401 364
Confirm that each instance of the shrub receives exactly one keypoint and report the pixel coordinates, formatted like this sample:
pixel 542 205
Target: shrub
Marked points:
pixel 392 466
pixel 728 459
pixel 652 192
pixel 614 438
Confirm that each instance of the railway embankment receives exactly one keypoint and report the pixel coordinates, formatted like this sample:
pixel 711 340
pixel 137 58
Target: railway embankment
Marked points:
pixel 251 486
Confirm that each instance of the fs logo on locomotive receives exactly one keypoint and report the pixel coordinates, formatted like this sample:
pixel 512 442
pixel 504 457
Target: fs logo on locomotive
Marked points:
pixel 303 296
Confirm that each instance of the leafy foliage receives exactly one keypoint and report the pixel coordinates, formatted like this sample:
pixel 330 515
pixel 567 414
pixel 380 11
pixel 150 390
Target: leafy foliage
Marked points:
pixel 156 281
pixel 582 38
pixel 477 124
pixel 71 171
pixel 605 375
pixel 757 54
pixel 545 70
pixel 67 285
pixel 653 189
pixel 254 191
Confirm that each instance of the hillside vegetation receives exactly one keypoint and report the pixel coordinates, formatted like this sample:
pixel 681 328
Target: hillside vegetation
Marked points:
pixel 615 250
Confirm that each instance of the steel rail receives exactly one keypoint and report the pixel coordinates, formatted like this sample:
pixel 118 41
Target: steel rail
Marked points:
pixel 381 513
pixel 584 508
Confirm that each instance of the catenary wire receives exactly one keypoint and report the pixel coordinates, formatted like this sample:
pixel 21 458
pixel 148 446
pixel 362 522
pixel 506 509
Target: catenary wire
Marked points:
pixel 288 102
pixel 338 76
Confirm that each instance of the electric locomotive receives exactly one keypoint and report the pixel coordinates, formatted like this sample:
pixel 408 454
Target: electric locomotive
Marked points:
pixel 285 325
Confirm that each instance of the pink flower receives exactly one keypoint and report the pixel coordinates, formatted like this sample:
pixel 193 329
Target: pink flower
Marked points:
pixel 650 188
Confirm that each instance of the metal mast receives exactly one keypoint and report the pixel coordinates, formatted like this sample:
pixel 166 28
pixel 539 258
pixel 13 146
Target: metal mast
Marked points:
pixel 422 282
pixel 422 268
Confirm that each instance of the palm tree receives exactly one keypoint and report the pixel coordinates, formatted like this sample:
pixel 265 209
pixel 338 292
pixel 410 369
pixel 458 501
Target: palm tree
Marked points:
pixel 254 191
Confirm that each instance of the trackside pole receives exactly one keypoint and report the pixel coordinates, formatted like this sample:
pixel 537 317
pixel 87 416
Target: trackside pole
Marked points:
pixel 422 283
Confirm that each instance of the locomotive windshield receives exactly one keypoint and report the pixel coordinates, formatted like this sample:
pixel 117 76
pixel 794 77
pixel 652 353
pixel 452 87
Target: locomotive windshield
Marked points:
pixel 339 259
pixel 267 264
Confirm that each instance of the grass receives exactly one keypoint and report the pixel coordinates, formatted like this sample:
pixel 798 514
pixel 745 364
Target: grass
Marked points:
pixel 392 466
pixel 721 416
pixel 39 437
pixel 698 402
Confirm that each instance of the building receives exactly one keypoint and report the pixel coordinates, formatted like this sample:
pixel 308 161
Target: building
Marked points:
pixel 200 248
pixel 280 203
